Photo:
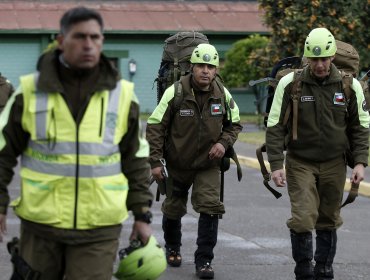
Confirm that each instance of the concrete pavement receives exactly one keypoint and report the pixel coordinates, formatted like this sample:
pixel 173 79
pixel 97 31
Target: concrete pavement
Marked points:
pixel 253 242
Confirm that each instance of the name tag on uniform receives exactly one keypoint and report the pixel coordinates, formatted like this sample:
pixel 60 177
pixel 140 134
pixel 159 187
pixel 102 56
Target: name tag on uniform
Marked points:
pixel 339 99
pixel 187 113
pixel 307 98
pixel 216 109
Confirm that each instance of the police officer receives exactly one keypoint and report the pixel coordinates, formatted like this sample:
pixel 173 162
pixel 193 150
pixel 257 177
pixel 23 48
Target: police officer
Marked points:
pixel 198 133
pixel 75 125
pixel 315 162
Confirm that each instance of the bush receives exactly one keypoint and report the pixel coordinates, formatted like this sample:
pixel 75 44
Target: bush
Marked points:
pixel 239 67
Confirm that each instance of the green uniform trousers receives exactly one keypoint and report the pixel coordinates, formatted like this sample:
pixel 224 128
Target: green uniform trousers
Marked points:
pixel 68 260
pixel 316 191
pixel 205 195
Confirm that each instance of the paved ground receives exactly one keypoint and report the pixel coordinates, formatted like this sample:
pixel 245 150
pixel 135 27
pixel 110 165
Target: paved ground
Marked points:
pixel 253 241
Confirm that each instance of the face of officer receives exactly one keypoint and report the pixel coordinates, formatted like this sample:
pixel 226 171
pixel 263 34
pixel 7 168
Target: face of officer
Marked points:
pixel 203 75
pixel 81 44
pixel 320 66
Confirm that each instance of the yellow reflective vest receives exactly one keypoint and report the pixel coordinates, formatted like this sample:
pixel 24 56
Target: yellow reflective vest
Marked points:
pixel 71 175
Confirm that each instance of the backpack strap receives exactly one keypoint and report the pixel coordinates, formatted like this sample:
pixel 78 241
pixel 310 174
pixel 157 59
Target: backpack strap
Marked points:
pixel 266 175
pixel 347 80
pixel 295 95
pixel 178 98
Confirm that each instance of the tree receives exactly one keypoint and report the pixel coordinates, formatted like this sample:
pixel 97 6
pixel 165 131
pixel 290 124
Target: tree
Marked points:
pixel 291 21
pixel 238 70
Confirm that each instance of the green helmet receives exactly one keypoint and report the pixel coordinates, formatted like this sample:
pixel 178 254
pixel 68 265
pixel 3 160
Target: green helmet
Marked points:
pixel 141 262
pixel 320 43
pixel 206 54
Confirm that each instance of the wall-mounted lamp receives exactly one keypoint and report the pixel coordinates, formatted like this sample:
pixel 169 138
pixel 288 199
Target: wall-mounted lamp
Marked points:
pixel 132 68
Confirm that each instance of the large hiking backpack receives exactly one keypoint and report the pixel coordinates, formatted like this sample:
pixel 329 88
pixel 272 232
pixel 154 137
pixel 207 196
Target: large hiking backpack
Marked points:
pixel 347 61
pixel 6 89
pixel 175 63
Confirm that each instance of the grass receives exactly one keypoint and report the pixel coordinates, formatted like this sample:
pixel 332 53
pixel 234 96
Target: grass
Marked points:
pixel 256 138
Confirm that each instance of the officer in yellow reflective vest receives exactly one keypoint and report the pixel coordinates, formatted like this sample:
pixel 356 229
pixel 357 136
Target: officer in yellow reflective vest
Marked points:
pixel 84 162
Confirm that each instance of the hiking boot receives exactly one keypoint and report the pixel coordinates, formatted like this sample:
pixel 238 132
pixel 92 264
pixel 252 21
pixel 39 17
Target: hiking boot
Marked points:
pixel 173 257
pixel 205 271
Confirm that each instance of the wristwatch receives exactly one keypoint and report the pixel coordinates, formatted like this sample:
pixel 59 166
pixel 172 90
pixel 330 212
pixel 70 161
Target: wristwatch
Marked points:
pixel 146 217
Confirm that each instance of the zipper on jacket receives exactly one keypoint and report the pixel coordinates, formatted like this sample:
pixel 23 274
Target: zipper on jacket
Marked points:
pixel 52 139
pixel 77 122
pixel 101 117
pixel 76 180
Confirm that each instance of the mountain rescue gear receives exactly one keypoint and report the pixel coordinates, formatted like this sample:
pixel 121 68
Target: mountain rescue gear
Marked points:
pixel 172 237
pixel 205 54
pixel 320 43
pixel 138 262
pixel 302 251
pixel 21 270
pixel 86 157
pixel 230 152
pixel 173 257
pixel 175 62
pixel 207 239
pixel 326 245
pixel 205 271
pixel 347 60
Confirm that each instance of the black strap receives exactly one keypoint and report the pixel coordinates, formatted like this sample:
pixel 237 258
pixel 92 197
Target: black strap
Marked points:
pixel 353 193
pixel 266 175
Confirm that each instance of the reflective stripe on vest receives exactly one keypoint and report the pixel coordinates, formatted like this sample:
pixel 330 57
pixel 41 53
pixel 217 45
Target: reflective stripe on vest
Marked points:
pixel 71 174
pixel 107 148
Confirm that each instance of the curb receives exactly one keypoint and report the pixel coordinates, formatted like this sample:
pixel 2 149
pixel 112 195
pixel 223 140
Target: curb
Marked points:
pixel 253 163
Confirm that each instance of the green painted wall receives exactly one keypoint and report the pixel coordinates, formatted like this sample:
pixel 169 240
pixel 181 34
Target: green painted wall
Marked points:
pixel 19 54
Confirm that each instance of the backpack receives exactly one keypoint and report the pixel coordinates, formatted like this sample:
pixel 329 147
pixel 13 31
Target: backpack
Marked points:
pixel 175 63
pixel 347 61
pixel 6 90
pixel 176 54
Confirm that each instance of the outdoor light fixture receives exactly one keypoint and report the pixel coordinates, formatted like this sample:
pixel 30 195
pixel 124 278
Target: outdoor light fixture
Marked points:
pixel 132 67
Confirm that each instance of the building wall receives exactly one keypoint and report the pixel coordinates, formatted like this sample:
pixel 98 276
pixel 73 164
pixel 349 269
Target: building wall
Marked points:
pixel 19 54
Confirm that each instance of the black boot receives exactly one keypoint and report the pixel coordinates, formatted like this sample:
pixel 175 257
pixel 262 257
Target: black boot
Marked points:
pixel 326 246
pixel 172 236
pixel 302 252
pixel 206 241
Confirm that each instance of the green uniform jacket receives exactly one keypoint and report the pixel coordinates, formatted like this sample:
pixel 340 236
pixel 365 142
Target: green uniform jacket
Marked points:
pixel 14 139
pixel 191 132
pixel 327 122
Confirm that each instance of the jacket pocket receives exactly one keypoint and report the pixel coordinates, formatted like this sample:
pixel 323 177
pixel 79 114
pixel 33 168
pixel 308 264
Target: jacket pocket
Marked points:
pixel 108 205
pixel 38 202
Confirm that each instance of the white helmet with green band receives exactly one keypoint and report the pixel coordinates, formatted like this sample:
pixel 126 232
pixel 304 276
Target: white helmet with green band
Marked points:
pixel 205 54
pixel 320 43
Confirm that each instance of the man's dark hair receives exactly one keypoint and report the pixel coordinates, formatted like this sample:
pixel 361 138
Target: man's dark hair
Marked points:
pixel 77 15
